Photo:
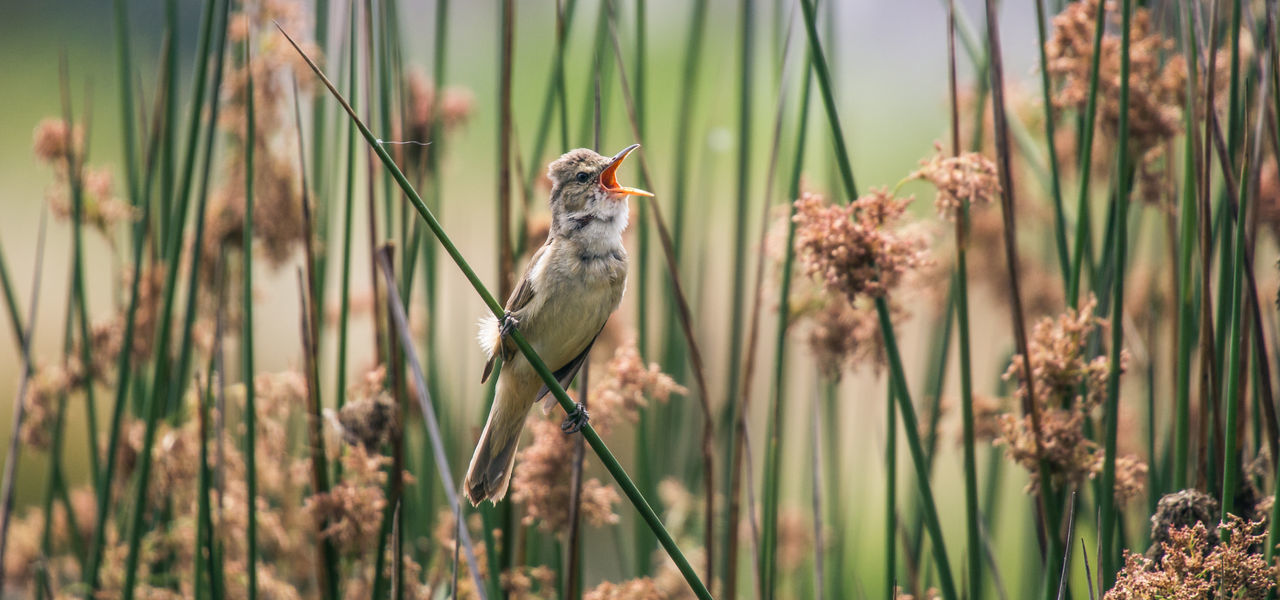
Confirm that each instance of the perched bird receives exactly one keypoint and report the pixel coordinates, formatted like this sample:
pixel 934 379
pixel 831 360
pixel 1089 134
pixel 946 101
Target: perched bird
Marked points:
pixel 570 287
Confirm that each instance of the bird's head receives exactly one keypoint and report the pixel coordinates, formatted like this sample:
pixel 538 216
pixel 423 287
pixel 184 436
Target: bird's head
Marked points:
pixel 585 190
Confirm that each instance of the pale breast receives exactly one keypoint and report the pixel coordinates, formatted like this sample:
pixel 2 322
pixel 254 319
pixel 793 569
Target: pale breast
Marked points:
pixel 575 297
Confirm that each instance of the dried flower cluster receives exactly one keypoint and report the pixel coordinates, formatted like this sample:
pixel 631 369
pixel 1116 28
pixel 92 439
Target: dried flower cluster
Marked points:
pixel 1179 510
pixel 627 386
pixel 1269 195
pixel 277 186
pixel 969 177
pixel 53 144
pixel 1194 567
pixel 57 146
pixel 856 250
pixel 47 384
pixel 453 108
pixel 1156 86
pixel 634 589
pixel 353 507
pixel 529 583
pixel 844 334
pixel 107 337
pixel 370 415
pixel 1069 386
pixel 541 482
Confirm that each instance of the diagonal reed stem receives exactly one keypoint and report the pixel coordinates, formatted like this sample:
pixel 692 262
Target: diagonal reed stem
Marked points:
pixel 597 444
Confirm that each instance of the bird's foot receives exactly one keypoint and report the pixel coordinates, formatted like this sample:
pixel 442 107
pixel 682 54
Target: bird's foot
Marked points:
pixel 508 324
pixel 575 419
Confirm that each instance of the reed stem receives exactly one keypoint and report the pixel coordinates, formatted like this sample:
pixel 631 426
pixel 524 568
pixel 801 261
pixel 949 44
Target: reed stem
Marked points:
pixel 1111 409
pixel 246 337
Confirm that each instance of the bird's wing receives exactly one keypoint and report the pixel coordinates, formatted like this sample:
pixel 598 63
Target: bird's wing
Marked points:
pixel 519 298
pixel 566 374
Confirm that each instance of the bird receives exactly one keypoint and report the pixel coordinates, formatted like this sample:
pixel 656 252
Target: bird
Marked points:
pixel 570 287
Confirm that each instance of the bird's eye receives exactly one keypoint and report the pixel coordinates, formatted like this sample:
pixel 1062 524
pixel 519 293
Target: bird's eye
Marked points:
pixel 583 177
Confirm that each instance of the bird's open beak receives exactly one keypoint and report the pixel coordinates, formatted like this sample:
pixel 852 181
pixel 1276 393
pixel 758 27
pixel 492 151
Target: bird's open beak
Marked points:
pixel 609 177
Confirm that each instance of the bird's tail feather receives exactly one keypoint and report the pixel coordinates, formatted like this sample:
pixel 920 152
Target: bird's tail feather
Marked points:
pixel 489 474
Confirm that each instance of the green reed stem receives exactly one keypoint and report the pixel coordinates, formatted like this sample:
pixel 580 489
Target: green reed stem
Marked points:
pixel 642 227
pixel 124 372
pixel 506 258
pixel 684 131
pixel 11 303
pixel 672 349
pixel 737 301
pixel 348 218
pixel 246 353
pixel 430 266
pixel 1225 254
pixel 1233 395
pixel 182 193
pixel 197 250
pixel 1085 160
pixel 432 426
pixel 828 100
pixel 909 421
pixel 1111 411
pixel 593 439
pixel 974 547
pixel 555 89
pixel 891 494
pixel 309 300
pixel 978 53
pixel 204 516
pixel 1059 220
pixel 320 159
pixel 1186 286
pixel 155 399
pixel 124 69
pixel 766 567
pixel 19 409
pixel 74 164
pixel 380 52
pixel 961 296
pixel 167 134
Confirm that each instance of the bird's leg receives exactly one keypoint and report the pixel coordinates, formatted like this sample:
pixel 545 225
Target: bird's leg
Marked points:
pixel 508 324
pixel 575 419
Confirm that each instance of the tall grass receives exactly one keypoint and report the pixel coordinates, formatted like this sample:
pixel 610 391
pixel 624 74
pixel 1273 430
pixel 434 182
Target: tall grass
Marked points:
pixel 1142 186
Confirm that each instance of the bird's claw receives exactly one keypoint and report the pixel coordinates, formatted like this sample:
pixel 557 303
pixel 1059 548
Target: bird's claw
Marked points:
pixel 509 323
pixel 575 419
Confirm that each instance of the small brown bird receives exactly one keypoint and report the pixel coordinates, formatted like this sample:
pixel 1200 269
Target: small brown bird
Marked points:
pixel 569 289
